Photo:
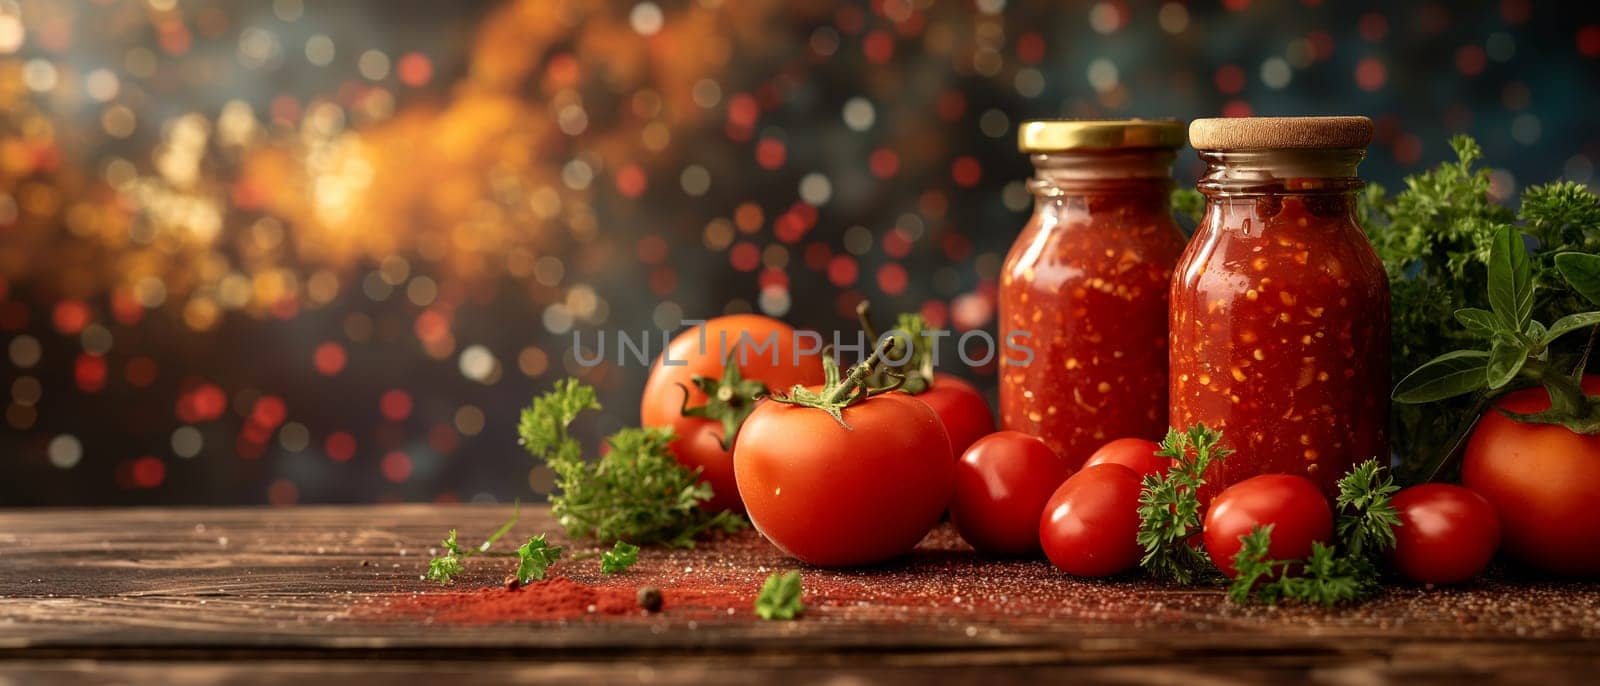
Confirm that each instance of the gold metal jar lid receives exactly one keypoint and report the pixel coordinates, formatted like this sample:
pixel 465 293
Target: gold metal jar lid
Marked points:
pixel 1060 135
pixel 1280 133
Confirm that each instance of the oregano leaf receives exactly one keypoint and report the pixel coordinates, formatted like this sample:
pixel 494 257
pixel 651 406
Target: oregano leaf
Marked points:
pixel 1582 272
pixel 1481 323
pixel 1506 358
pixel 1446 376
pixel 1570 323
pixel 1510 279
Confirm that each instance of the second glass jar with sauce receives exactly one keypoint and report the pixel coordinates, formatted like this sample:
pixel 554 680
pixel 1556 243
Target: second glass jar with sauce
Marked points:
pixel 1085 285
pixel 1280 307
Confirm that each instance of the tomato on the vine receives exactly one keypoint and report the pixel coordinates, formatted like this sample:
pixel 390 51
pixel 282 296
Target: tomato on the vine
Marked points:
pixel 1002 484
pixel 1447 534
pixel 1090 526
pixel 1137 454
pixel 1291 504
pixel 853 489
pixel 964 411
pixel 765 354
pixel 1543 481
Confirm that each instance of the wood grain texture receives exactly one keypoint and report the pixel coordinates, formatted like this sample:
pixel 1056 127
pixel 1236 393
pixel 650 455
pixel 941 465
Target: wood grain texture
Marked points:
pixel 307 594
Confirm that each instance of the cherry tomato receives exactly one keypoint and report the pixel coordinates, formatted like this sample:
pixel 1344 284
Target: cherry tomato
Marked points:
pixel 1292 504
pixel 1543 481
pixel 698 442
pixel 965 413
pixel 1137 454
pixel 1002 483
pixel 1090 526
pixel 1447 534
pixel 835 497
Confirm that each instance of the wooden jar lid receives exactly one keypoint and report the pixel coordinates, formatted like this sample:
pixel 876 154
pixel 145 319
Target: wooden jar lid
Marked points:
pixel 1280 133
pixel 1060 135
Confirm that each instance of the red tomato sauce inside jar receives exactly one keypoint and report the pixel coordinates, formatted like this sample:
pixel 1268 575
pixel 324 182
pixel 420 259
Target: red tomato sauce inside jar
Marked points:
pixel 1280 330
pixel 1085 288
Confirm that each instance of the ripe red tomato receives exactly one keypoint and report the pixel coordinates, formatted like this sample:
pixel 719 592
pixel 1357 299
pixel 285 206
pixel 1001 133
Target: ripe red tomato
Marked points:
pixel 1292 504
pixel 1447 534
pixel 965 413
pixel 698 440
pixel 1090 526
pixel 1002 484
pixel 1137 454
pixel 1543 481
pixel 837 497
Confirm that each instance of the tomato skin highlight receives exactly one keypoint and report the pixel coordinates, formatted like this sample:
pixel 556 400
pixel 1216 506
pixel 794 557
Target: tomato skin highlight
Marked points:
pixel 1447 534
pixel 1137 454
pixel 1292 504
pixel 697 440
pixel 1002 484
pixel 1543 481
pixel 966 415
pixel 838 497
pixel 1090 526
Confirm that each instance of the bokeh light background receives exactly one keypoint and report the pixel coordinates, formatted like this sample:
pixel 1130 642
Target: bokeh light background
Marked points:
pixel 286 251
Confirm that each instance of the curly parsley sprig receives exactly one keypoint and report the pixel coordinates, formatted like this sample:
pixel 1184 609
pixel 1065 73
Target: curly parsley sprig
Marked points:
pixel 636 492
pixel 1344 573
pixel 452 563
pixel 1169 506
pixel 780 597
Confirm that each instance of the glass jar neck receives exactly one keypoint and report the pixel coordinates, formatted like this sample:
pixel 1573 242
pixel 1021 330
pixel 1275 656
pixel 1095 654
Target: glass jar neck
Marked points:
pixel 1245 173
pixel 1059 174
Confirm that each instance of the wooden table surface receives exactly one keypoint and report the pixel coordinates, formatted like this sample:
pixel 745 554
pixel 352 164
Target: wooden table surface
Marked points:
pixel 329 594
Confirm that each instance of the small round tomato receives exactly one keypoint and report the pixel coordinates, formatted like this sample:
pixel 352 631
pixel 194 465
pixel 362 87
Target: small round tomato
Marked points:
pixel 836 496
pixel 764 349
pixel 1292 504
pixel 1543 481
pixel 1002 483
pixel 1137 454
pixel 1447 534
pixel 1090 526
pixel 961 407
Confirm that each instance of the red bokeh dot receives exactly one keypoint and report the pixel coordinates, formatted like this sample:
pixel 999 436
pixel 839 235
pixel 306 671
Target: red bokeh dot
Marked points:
pixel 90 373
pixel 443 439
pixel 1229 79
pixel 966 171
pixel 884 163
pixel 396 466
pixel 1030 48
pixel 935 313
pixel 744 256
pixel 631 181
pixel 897 243
pixel 652 249
pixel 1236 5
pixel 414 69
pixel 148 472
pixel 1321 44
pixel 1407 149
pixel 956 247
pixel 269 412
pixel 339 446
pixel 951 105
pixel 817 256
pixel 842 270
pixel 395 405
pixel 773 278
pixel 878 46
pixel 1371 74
pixel 140 371
pixel 329 358
pixel 70 316
pixel 743 110
pixel 1589 40
pixel 283 493
pixel 770 153
pixel 892 278
pixel 1373 26
pixel 1471 60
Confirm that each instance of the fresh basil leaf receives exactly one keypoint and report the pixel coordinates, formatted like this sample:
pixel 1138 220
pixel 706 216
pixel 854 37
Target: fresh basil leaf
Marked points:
pixel 1510 279
pixel 1481 323
pixel 1505 360
pixel 1445 376
pixel 1534 331
pixel 1582 271
pixel 1569 324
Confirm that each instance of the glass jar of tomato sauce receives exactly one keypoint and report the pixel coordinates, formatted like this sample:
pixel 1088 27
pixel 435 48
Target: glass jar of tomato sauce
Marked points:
pixel 1280 307
pixel 1085 285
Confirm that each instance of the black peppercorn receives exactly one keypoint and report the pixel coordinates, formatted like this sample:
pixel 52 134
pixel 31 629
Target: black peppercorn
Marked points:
pixel 650 598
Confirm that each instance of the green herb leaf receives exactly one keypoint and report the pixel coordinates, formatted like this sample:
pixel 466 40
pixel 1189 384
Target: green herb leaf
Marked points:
pixel 1481 323
pixel 1506 358
pixel 1582 272
pixel 1367 516
pixel 534 557
pixel 1252 568
pixel 619 558
pixel 516 513
pixel 1189 204
pixel 1510 279
pixel 1446 376
pixel 636 492
pixel 1569 324
pixel 1169 506
pixel 444 568
pixel 780 597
